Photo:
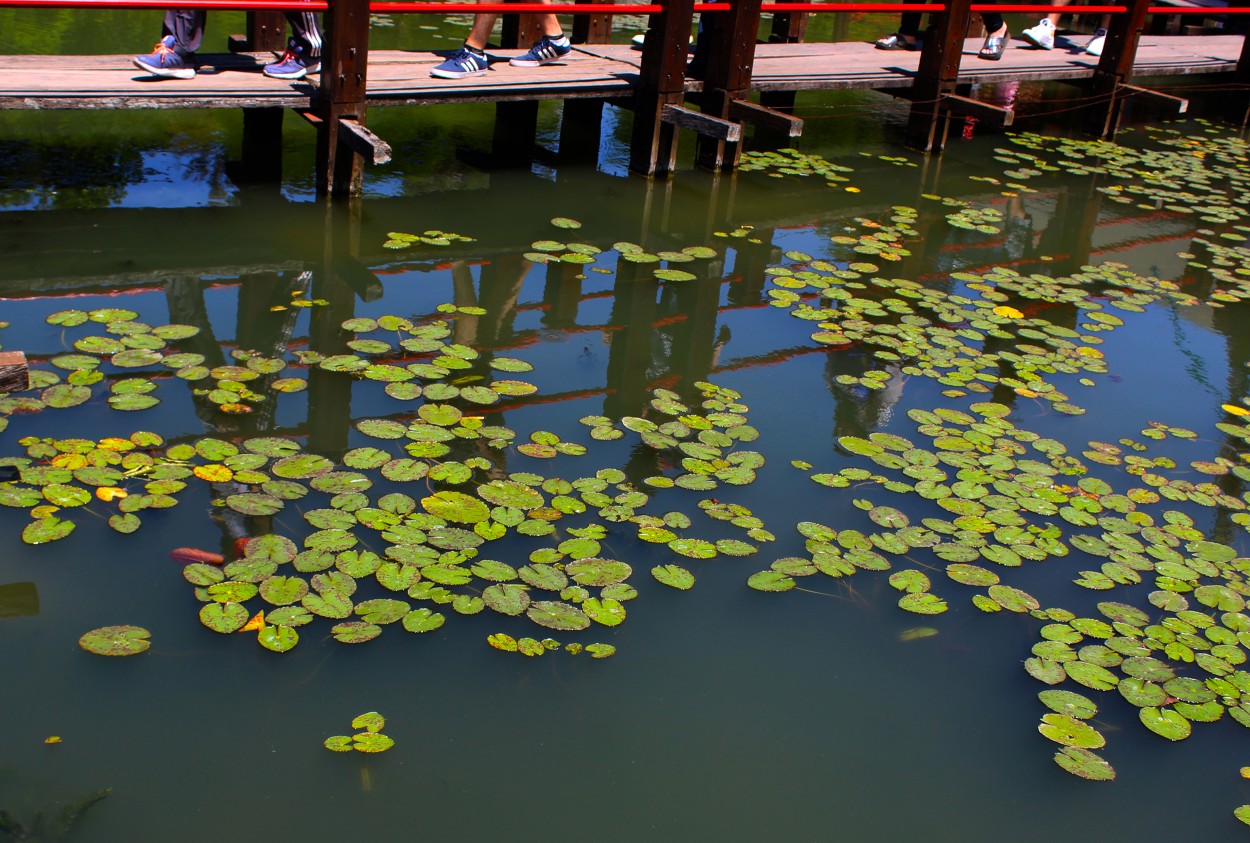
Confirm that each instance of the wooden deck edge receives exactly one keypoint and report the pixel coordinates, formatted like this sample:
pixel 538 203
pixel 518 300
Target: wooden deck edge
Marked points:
pixel 14 375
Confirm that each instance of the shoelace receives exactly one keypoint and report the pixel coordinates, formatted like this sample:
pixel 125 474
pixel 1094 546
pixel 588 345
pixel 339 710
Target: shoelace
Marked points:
pixel 161 49
pixel 288 56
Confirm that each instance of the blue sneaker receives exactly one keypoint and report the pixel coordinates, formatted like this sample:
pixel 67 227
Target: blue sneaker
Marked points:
pixel 546 50
pixel 464 62
pixel 293 64
pixel 166 61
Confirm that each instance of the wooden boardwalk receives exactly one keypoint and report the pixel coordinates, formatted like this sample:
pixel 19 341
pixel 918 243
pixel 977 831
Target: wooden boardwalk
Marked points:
pixel 592 72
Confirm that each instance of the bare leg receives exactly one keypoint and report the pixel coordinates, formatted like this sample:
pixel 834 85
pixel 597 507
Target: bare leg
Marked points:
pixel 483 23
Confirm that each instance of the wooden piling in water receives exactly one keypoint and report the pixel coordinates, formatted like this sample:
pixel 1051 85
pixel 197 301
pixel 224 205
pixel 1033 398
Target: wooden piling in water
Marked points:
pixel 14 375
pixel 661 84
pixel 340 100
pixel 929 121
pixel 1115 67
pixel 730 47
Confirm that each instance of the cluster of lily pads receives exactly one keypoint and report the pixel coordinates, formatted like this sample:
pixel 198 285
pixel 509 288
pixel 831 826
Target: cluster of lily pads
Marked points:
pixel 1010 494
pixel 405 525
pixel 370 740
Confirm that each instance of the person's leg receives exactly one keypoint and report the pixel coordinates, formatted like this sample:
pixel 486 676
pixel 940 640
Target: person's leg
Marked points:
pixel 469 60
pixel 303 50
pixel 187 28
pixel 1042 35
pixel 174 55
pixel 996 41
pixel 906 38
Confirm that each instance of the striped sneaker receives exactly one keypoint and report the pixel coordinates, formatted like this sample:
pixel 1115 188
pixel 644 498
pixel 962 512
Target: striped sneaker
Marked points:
pixel 166 61
pixel 464 62
pixel 294 64
pixel 546 50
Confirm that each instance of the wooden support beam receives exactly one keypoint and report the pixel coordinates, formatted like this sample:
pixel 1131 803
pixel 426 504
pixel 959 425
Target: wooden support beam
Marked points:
pixel 1238 103
pixel 516 128
pixel 344 67
pixel 261 154
pixel 928 123
pixel 266 30
pixel 661 82
pixel 593 29
pixel 995 115
pixel 745 111
pixel 1177 105
pixel 363 142
pixel 581 131
pixel 1115 68
pixel 14 376
pixel 729 41
pixel 705 125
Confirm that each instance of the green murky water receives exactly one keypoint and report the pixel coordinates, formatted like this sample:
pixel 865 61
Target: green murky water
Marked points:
pixel 725 712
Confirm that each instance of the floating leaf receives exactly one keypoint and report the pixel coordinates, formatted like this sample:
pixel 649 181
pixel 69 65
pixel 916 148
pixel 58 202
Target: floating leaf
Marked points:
pixel 123 640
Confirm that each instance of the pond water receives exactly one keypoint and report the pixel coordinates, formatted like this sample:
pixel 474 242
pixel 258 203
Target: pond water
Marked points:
pixel 1088 408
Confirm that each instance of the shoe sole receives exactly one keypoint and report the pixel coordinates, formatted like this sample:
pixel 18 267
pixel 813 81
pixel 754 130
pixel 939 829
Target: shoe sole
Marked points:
pixel 300 74
pixel 451 74
pixel 539 63
pixel 1036 43
pixel 179 73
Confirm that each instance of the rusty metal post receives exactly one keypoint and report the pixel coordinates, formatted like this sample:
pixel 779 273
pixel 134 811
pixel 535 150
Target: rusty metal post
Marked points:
pixel 344 66
pixel 1115 68
pixel 730 60
pixel 939 68
pixel 661 82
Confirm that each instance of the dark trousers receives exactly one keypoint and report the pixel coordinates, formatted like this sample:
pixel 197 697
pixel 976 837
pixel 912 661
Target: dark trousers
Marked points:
pixel 187 27
pixel 910 25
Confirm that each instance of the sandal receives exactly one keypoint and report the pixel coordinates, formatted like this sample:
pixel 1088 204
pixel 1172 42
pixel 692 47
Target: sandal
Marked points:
pixel 898 41
pixel 994 47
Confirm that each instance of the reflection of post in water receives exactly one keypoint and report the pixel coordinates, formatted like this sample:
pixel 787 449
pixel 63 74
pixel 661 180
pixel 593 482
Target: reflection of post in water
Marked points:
pixel 330 393
pixel 686 342
pixel 1229 322
pixel 258 329
pixel 750 261
pixel 633 313
pixel 562 294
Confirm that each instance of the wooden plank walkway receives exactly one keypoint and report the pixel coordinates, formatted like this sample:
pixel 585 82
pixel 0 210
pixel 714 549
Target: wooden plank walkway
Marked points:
pixel 595 72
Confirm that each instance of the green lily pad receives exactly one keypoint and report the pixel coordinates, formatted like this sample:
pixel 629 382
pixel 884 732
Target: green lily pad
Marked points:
pixel 1069 731
pixel 1165 723
pixel 675 576
pixel 555 615
pixel 122 640
pixel 1084 764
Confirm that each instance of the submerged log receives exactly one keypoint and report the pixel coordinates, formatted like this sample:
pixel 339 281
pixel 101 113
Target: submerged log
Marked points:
pixel 14 376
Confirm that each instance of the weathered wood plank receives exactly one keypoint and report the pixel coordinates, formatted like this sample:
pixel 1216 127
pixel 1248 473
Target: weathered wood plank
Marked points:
pixel 702 124
pixel 600 71
pixel 749 112
pixel 364 142
pixel 14 376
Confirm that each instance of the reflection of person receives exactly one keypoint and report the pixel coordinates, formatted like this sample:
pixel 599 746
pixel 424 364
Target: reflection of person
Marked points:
pixel 1043 35
pixel 173 57
pixel 471 60
pixel 908 35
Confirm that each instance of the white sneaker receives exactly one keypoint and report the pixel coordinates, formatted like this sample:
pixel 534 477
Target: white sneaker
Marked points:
pixel 1094 47
pixel 1041 36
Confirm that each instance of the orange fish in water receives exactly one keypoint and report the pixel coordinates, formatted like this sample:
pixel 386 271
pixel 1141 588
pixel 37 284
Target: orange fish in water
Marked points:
pixel 240 547
pixel 189 555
